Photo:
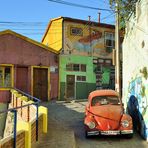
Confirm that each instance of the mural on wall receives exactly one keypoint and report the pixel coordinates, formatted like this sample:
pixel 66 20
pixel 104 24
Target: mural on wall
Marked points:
pixel 89 44
pixel 137 101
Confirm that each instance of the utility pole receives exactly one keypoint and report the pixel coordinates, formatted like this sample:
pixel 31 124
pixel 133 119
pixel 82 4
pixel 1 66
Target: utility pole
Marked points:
pixel 117 48
pixel 91 51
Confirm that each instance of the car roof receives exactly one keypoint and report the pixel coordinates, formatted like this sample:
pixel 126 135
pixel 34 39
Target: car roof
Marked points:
pixel 103 92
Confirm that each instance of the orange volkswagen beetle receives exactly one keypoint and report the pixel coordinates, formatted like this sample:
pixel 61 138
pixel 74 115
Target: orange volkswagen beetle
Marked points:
pixel 104 115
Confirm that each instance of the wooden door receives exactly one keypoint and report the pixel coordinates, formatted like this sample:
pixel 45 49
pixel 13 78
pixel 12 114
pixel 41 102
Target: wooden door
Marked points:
pixel 22 78
pixel 70 86
pixel 40 83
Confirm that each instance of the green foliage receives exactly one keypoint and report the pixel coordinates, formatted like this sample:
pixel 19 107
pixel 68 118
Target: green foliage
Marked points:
pixel 126 7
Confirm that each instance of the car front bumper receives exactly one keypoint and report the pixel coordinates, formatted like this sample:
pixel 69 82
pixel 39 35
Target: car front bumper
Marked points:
pixel 123 132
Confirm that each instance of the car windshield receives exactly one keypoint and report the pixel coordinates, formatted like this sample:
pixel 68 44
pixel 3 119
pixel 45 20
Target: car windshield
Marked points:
pixel 104 100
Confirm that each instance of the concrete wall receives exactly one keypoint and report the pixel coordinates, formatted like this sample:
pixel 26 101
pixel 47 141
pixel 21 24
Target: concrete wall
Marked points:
pixel 135 64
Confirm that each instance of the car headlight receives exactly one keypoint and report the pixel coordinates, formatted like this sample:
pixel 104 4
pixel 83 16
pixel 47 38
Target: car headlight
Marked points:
pixel 91 125
pixel 125 123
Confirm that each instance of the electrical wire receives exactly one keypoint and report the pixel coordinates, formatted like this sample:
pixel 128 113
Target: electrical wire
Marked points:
pixel 78 5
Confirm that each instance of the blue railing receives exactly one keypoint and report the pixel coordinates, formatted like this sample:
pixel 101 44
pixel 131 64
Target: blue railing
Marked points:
pixel 14 111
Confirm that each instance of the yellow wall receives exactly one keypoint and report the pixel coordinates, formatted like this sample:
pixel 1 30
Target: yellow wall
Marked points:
pixel 53 38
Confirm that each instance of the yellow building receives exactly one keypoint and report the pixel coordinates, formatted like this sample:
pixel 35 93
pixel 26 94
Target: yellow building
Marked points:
pixel 80 37
pixel 81 44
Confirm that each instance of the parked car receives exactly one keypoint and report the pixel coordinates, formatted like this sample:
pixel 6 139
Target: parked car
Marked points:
pixel 104 115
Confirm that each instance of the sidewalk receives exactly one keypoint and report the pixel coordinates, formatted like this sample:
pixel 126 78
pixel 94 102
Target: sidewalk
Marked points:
pixel 58 136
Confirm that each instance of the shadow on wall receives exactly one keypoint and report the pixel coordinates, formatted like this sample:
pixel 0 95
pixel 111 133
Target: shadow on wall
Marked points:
pixel 138 121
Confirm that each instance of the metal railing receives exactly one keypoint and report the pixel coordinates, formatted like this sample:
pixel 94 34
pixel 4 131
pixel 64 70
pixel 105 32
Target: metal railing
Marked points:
pixel 15 109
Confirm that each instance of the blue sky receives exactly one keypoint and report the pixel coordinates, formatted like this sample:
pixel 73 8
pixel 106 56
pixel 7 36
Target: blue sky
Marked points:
pixel 31 17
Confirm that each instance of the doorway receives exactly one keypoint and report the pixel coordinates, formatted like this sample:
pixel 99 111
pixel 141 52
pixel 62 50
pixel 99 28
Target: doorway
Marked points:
pixel 70 86
pixel 22 78
pixel 40 83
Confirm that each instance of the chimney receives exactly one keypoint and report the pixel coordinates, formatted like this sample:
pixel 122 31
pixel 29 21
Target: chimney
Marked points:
pixel 89 18
pixel 99 16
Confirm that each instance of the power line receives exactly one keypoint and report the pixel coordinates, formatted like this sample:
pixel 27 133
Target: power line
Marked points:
pixel 78 5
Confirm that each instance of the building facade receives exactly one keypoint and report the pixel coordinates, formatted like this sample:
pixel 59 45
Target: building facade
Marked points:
pixel 27 65
pixel 135 68
pixel 80 41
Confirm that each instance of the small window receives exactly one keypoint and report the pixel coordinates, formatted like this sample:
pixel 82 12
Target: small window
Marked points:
pixel 78 78
pixel 69 67
pixel 76 31
pixel 5 76
pixel 81 78
pixel 83 67
pixel 109 39
pixel 76 67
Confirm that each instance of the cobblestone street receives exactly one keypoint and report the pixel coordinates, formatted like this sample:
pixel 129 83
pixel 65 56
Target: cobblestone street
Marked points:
pixel 69 116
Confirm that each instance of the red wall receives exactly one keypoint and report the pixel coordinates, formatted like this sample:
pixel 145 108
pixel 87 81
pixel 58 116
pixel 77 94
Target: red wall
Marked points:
pixel 14 50
pixel 17 51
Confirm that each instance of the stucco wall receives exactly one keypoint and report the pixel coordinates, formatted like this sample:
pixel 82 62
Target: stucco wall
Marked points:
pixel 135 62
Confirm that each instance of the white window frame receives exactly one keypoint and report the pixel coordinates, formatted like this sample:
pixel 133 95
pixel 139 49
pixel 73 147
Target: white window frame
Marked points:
pixel 112 35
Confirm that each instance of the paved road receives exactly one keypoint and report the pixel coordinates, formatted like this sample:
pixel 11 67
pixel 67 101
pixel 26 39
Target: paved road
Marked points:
pixel 70 116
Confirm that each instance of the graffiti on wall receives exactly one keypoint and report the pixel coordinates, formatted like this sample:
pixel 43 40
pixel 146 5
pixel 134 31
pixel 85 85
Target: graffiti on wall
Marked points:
pixel 137 101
